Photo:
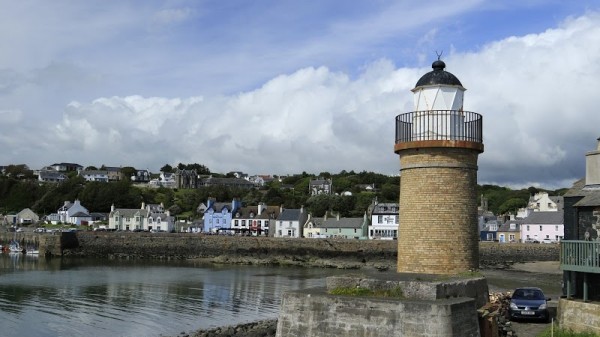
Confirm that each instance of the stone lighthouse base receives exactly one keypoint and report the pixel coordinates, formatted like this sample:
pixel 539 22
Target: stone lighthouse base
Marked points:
pixel 429 305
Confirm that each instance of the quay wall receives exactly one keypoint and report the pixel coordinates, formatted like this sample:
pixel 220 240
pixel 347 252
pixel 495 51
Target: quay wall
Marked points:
pixel 338 253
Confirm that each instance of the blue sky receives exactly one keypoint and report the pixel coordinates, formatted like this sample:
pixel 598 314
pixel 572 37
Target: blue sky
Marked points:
pixel 281 87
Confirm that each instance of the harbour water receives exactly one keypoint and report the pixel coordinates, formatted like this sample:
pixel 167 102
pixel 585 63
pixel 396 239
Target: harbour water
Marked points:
pixel 82 297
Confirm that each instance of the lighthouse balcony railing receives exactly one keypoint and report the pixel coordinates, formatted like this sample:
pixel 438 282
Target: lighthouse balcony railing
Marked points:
pixel 439 125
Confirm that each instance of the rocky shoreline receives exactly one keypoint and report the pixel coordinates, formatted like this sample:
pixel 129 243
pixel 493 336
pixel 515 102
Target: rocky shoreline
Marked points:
pixel 264 328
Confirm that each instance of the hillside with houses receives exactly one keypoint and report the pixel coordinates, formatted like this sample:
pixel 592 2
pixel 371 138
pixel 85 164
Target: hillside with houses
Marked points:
pixel 190 198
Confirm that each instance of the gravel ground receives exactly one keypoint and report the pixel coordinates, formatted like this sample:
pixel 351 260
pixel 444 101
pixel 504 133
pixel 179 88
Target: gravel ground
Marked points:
pixel 545 275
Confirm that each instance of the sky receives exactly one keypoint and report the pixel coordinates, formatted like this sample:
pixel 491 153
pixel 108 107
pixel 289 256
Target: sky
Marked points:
pixel 283 87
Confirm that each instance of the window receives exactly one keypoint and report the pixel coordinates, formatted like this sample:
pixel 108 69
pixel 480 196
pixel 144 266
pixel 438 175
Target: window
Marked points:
pixel 243 223
pixel 158 222
pixel 117 218
pixel 380 219
pixel 528 230
pixel 549 205
pixel 137 219
pixel 150 220
pixel 235 223
pixel 541 228
pixel 556 228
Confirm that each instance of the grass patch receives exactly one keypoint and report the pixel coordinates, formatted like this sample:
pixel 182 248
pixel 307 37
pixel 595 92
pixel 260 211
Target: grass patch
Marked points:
pixel 555 331
pixel 395 292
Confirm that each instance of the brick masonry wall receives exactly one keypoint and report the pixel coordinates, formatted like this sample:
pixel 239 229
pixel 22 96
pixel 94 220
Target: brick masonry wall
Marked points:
pixel 438 211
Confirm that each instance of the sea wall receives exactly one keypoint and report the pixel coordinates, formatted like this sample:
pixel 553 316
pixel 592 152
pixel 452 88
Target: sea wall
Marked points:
pixel 336 253
pixel 339 253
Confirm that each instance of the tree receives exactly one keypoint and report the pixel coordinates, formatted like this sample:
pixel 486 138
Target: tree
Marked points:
pixel 319 204
pixel 200 169
pixel 166 169
pixel 127 172
pixel 91 168
pixel 533 190
pixel 511 206
pixel 18 171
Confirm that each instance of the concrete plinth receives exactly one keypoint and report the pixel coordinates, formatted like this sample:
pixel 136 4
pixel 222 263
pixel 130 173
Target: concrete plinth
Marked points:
pixel 429 307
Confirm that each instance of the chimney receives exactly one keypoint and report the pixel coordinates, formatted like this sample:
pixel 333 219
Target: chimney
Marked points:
pixel 143 205
pixel 592 166
pixel 260 207
pixel 301 209
pixel 112 207
pixel 338 216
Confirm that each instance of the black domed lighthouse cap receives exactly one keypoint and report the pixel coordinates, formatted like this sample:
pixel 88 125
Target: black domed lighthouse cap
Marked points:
pixel 438 76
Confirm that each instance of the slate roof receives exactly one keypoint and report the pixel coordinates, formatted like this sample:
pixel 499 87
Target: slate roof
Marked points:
pixel 80 214
pixel 219 206
pixel 590 194
pixel 341 223
pixel 544 218
pixel 270 212
pixel 129 212
pixel 52 175
pixel 290 214
pixel 386 208
pixel 506 226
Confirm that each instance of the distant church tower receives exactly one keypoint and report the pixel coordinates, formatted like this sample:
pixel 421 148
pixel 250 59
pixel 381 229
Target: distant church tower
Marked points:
pixel 438 145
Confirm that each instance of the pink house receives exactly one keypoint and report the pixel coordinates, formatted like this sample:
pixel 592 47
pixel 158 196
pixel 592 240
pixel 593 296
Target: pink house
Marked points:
pixel 543 227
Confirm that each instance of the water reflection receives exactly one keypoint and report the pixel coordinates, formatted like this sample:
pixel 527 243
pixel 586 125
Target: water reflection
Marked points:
pixel 75 297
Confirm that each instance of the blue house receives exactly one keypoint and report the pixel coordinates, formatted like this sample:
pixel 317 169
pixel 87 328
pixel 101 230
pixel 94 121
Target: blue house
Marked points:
pixel 489 231
pixel 217 215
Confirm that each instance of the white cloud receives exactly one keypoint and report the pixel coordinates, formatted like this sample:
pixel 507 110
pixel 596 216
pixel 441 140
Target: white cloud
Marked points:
pixel 138 98
pixel 535 92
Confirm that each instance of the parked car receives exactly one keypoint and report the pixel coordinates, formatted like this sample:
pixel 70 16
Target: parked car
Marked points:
pixel 530 240
pixel 529 303
pixel 547 241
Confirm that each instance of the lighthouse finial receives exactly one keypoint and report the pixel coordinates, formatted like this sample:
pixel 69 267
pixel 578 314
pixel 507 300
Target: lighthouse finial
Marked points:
pixel 439 54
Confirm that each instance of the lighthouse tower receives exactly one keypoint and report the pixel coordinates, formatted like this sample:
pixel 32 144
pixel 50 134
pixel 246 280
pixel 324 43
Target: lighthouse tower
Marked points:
pixel 438 144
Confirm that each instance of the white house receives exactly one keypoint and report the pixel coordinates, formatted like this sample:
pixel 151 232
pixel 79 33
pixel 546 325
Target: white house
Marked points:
pixel 543 227
pixel 542 202
pixel 384 221
pixel 149 217
pixel 320 186
pixel 254 219
pixel 71 213
pixel 51 176
pixel 94 175
pixel 290 223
